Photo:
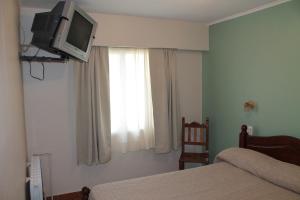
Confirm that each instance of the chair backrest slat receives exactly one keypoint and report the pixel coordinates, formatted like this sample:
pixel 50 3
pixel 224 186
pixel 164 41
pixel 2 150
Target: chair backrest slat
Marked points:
pixel 197 136
pixel 202 135
pixel 189 134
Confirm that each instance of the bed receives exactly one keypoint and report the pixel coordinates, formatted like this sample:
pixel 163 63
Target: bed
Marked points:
pixel 261 168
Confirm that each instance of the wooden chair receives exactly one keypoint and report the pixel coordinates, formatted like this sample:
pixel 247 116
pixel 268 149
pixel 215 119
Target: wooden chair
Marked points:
pixel 194 134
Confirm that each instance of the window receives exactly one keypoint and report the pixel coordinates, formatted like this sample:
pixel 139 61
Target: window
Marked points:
pixel 130 99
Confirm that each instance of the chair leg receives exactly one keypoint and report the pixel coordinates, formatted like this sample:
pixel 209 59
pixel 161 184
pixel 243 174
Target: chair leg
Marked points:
pixel 181 165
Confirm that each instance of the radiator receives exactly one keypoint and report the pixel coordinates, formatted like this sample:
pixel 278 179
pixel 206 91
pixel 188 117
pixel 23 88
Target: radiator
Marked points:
pixel 36 183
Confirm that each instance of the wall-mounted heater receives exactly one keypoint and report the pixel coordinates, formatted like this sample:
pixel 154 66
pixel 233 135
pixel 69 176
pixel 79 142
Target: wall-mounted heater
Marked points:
pixel 36 183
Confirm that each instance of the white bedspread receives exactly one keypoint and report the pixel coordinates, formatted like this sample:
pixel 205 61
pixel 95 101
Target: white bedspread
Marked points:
pixel 219 181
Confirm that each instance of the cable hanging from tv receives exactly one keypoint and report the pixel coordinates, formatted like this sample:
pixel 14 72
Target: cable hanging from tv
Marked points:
pixel 29 60
pixel 40 59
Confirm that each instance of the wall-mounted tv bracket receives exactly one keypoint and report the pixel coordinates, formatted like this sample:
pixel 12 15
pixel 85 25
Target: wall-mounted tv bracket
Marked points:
pixel 42 60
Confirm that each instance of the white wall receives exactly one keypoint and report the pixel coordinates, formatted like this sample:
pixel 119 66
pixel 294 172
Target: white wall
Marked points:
pixel 12 126
pixel 118 30
pixel 50 125
pixel 130 31
pixel 189 69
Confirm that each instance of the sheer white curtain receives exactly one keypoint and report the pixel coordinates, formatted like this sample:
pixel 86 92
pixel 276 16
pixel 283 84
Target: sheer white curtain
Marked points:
pixel 130 100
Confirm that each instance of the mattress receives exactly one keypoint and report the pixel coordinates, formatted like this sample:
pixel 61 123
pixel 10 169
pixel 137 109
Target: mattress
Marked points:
pixel 224 180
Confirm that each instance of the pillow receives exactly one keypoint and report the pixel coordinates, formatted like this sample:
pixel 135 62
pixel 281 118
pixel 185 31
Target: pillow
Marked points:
pixel 277 172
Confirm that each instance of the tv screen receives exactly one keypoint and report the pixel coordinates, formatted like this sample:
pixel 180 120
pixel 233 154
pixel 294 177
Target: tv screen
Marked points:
pixel 80 32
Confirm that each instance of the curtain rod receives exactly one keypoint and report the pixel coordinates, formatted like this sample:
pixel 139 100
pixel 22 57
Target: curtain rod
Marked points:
pixel 179 49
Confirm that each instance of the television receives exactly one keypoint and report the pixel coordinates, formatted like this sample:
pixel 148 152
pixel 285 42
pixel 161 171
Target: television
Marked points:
pixel 66 31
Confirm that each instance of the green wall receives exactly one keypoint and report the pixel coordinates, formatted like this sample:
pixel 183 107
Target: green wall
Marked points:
pixel 254 57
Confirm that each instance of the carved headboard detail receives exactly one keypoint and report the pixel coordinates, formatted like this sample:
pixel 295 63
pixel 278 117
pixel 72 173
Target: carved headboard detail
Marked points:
pixel 284 148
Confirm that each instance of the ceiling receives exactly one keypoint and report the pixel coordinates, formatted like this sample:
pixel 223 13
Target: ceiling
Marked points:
pixel 206 11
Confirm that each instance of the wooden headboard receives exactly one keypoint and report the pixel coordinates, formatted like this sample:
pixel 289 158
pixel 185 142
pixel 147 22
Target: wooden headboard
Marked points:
pixel 284 148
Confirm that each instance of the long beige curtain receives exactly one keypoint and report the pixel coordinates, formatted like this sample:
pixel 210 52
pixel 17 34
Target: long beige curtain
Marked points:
pixel 93 108
pixel 166 111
